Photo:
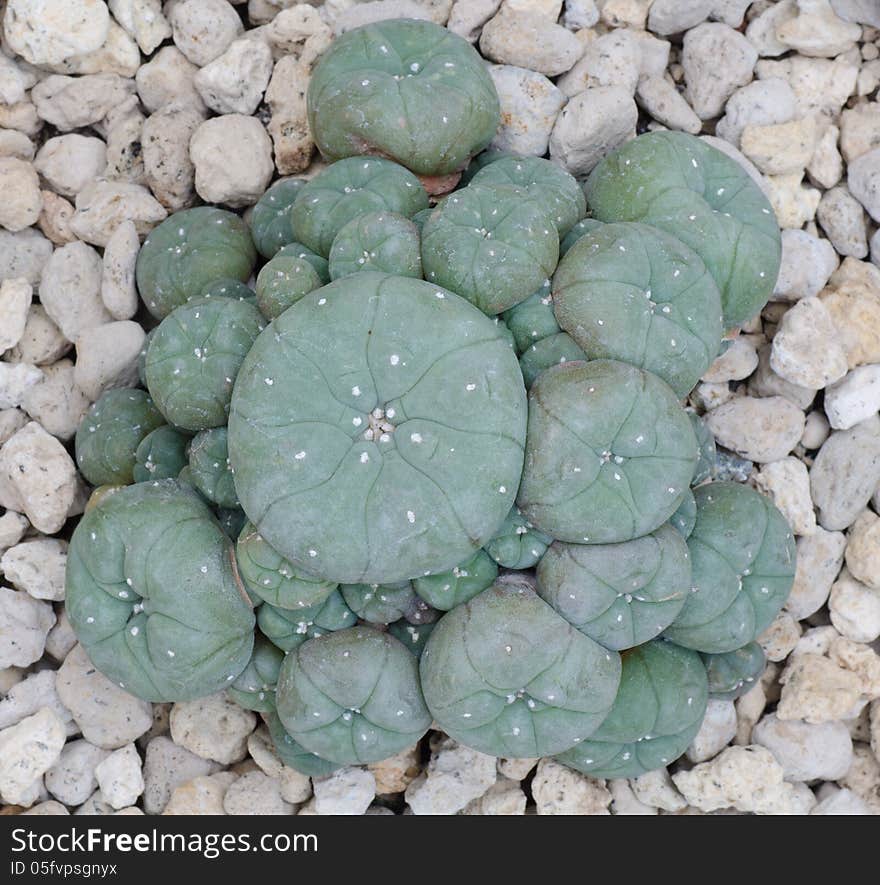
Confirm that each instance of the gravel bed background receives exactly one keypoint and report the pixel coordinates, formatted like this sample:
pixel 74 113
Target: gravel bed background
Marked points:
pixel 113 115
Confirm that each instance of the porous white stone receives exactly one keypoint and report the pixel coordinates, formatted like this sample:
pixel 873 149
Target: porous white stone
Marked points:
pixel 107 357
pixel 504 797
pixel 745 778
pixel 232 156
pixel 102 205
pixel 760 430
pixel 289 125
pixel 577 14
pixel 826 165
pixel 203 29
pixel 815 689
pixel 73 102
pixel 593 124
pixel 467 17
pixel 255 793
pixel 842 218
pixel 37 567
pixel 806 751
pixel 15 300
pixel 234 82
pixel 23 254
pixel 675 16
pixel 298 31
pixel 780 148
pixel 716 732
pixel 530 104
pixel 560 790
pixel 788 484
pixel 56 402
pixel 716 60
pixel 166 767
pixel 738 361
pixel 37 478
pixel 794 202
pixel 346 791
pixel 854 609
pixel 397 772
pixel 50 31
pixel 108 716
pixel 119 777
pixel 24 624
pixel 61 638
pixel 613 59
pixel 118 291
pixel 54 220
pixel 70 289
pixel 655 789
pixel 166 78
pixel 854 398
pixel 817 31
pixel 27 750
pixel 859 130
pixel 806 350
pixel 16 144
pixel 531 41
pixel 819 559
pixel 213 727
pixel 12 525
pixel 820 85
pixel 201 795
pixel 20 186
pixel 455 775
pixel 807 263
pixel 863 549
pixel 664 103
pixel 761 32
pixel 143 20
pixel 863 179
pixel 841 801
pixel 780 637
pixel 846 473
pixel 816 431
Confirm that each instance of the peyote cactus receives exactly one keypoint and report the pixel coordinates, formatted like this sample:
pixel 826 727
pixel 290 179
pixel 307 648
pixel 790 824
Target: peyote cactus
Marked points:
pixel 194 357
pixel 415 450
pixel 656 714
pixel 358 464
pixel 352 696
pixel 609 455
pixel 743 560
pixel 153 593
pixel 108 437
pixel 506 675
pixel 188 251
pixel 408 90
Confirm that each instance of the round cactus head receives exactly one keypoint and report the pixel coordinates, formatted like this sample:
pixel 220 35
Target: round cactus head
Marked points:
pixel 380 241
pixel 153 594
pixel 109 434
pixel 270 219
pixel 706 447
pixel 492 244
pixel 380 603
pixel 517 544
pixel 254 687
pixel 506 675
pixel 293 755
pixel 376 430
pixel 226 287
pixel 194 357
pixel 554 350
pixel 209 467
pixel 449 589
pixel 633 293
pixel 743 560
pixel 288 628
pixel 685 518
pixel 270 577
pixel 352 696
pixel 581 229
pixel 533 319
pixel 556 189
pixel 622 594
pixel 733 673
pixel 413 636
pixel 409 90
pixel 283 280
pixel 609 455
pixel 656 714
pixel 189 250
pixel 161 454
pixel 348 189
pixel 679 184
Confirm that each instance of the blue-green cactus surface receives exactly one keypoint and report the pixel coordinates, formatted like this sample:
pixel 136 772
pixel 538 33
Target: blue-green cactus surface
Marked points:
pixel 270 219
pixel 209 467
pixel 449 589
pixel 161 454
pixel 517 544
pixel 731 674
pixel 380 241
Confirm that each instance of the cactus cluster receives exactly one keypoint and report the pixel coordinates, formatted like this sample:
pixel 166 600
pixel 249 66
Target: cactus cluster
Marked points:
pixel 431 464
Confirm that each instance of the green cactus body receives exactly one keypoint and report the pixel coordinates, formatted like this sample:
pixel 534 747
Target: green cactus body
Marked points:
pixel 377 429
pixel 290 628
pixel 142 358
pixel 609 453
pixel 348 189
pixel 293 755
pixel 449 589
pixel 379 603
pixel 209 466
pixel 633 293
pixel 270 219
pixel 232 520
pixel 733 673
pixel 189 250
pixel 195 356
pixel 683 186
pixel 380 241
pixel 706 447
pixel 153 595
pixel 621 595
pixel 549 183
pixel 479 162
pixel 268 575
pixel 581 229
pixel 685 518
pixel 656 715
pixel 282 281
pixel 318 262
pixel 413 636
pixel 554 350
pixel 506 675
pixel 352 696
pixel 532 320
pixel 492 244
pixel 254 687
pixel 419 220
pixel 743 560
pixel 109 434
pixel 517 544
pixel 161 454
pixel 409 90
pixel 227 288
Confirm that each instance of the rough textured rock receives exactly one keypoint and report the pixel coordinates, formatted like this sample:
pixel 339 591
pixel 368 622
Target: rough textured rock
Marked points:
pixel 530 105
pixel 757 429
pixel 27 750
pixel 529 41
pixel 212 727
pixel 346 791
pixel 24 625
pixel 560 790
pixel 454 776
